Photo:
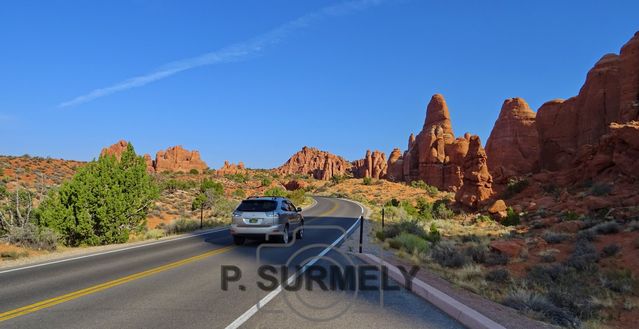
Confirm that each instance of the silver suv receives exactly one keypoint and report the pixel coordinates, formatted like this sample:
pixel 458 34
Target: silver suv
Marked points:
pixel 266 218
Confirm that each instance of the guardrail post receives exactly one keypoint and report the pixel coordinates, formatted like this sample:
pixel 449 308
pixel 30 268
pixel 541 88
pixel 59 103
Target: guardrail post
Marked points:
pixel 383 218
pixel 361 232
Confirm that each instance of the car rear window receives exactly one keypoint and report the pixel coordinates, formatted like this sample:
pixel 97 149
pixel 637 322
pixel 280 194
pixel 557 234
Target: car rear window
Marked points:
pixel 257 205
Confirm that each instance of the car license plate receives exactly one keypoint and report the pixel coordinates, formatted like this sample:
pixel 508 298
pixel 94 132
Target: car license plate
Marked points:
pixel 253 220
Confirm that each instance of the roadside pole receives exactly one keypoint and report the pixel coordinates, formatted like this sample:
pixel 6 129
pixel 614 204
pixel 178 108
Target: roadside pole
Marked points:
pixel 383 218
pixel 361 232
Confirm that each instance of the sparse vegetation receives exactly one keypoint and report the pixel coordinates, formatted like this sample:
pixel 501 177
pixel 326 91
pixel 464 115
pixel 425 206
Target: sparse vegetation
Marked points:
pixel 514 187
pixel 554 237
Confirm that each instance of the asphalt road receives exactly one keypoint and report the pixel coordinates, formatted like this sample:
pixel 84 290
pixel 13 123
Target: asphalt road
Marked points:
pixel 178 284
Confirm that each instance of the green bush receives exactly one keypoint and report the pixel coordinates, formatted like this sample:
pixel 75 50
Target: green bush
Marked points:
pixel 276 191
pixel 512 218
pixel 336 179
pixel 446 254
pixel 367 181
pixel 298 197
pixel 103 202
pixel 394 243
pixel 266 182
pixel 441 210
pixel 412 242
pixel 211 185
pixel 420 184
pixel 239 194
pixel 238 177
pixel 181 225
pixel 172 185
pixel 194 171
pixel 154 234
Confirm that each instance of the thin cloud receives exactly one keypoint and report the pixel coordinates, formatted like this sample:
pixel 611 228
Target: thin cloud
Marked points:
pixel 234 52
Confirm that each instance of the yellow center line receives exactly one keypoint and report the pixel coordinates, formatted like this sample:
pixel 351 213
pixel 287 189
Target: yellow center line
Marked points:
pixel 103 286
pixel 330 211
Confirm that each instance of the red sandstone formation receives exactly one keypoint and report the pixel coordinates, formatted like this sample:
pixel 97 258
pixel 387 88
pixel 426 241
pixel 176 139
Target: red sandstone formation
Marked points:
pixel 477 186
pixel 231 168
pixel 610 94
pixel 435 156
pixel 319 164
pixel 295 185
pixel 116 149
pixel 395 171
pixel 177 158
pixel 512 147
pixel 373 165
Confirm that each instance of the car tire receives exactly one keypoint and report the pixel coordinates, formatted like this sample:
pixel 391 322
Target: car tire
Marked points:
pixel 239 240
pixel 285 235
pixel 300 232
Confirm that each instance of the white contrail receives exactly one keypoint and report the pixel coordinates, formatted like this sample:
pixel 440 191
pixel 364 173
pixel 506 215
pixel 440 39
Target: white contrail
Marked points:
pixel 231 53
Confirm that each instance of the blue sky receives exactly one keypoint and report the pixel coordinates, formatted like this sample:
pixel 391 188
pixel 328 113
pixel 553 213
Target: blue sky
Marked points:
pixel 343 78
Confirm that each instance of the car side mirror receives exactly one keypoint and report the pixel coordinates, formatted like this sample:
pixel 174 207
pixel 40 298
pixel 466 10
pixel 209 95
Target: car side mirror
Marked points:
pixel 299 209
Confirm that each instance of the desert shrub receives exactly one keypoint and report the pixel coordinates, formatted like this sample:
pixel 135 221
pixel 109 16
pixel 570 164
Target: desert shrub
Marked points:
pixel 31 236
pixel 610 250
pixel 181 225
pixel 477 253
pixel 194 171
pixel 548 256
pixel 266 182
pixel 239 194
pixel 424 209
pixel 588 235
pixel 336 179
pixel 297 197
pixel 568 215
pixel 470 238
pixel 512 218
pixel 600 189
pixel 607 228
pixel 367 181
pixel 494 258
pixel 379 234
pixel 446 254
pixel 514 187
pixel 441 210
pixel 526 302
pixel 395 244
pixel 392 203
pixel 275 191
pixel 412 242
pixel 154 234
pixel 499 275
pixel 391 231
pixel 172 185
pixel 103 202
pixel 554 237
pixel 412 227
pixel 483 219
pixel 420 184
pixel 584 257
pixel 237 177
pixel 620 280
pixel 211 185
pixel 12 255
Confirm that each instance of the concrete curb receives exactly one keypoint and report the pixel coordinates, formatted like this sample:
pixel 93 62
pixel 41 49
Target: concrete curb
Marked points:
pixel 455 309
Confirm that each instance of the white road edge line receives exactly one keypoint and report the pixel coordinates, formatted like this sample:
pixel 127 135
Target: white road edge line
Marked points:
pixel 262 302
pixel 189 236
pixel 114 250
